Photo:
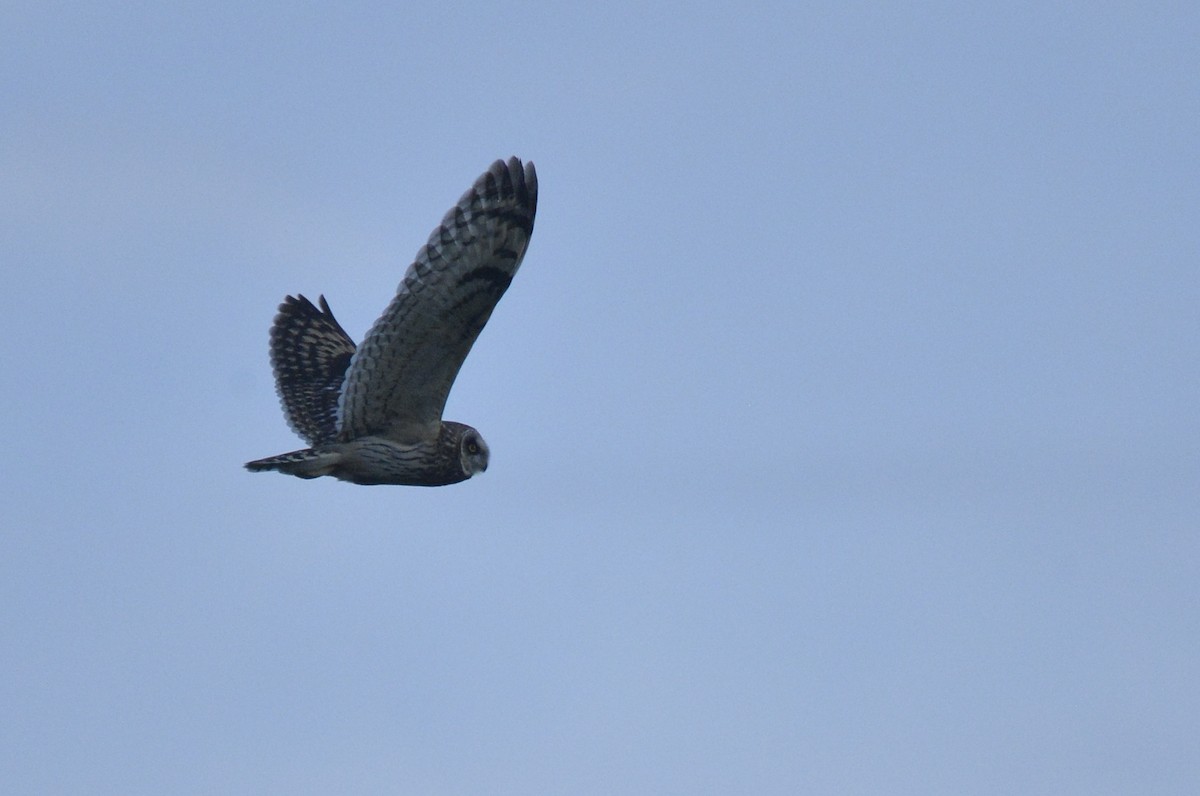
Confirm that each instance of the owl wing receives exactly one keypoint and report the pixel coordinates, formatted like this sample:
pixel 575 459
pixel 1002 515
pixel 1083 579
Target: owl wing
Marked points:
pixel 402 373
pixel 309 355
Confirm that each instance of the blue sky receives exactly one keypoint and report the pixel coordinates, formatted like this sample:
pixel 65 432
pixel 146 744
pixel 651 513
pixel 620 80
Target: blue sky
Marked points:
pixel 842 415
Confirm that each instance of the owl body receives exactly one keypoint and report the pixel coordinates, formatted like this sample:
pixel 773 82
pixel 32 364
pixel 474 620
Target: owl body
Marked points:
pixel 458 453
pixel 372 414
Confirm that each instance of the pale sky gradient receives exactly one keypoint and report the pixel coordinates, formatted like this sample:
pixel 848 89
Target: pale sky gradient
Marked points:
pixel 843 414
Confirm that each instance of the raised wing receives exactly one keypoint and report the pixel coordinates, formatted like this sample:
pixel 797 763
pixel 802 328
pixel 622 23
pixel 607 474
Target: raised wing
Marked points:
pixel 309 355
pixel 399 380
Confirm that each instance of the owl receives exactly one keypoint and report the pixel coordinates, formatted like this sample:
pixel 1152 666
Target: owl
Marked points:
pixel 373 414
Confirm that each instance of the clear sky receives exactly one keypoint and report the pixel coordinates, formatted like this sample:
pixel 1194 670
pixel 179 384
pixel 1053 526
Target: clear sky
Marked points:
pixel 843 414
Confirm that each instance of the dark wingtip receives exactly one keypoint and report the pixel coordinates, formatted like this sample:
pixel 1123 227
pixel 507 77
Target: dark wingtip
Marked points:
pixel 299 305
pixel 530 178
pixel 519 179
pixel 524 180
pixel 505 179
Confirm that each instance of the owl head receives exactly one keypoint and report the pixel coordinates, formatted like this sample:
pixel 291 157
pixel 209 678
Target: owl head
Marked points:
pixel 472 452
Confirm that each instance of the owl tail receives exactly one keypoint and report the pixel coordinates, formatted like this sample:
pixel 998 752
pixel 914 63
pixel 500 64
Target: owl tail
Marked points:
pixel 307 463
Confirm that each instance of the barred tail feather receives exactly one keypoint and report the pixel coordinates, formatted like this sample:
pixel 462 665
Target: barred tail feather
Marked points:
pixel 306 463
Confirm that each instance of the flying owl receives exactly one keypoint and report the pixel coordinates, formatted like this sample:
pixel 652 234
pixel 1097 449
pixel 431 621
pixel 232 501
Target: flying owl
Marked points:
pixel 374 415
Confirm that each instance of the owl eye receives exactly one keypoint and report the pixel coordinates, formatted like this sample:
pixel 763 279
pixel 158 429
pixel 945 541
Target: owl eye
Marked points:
pixel 472 447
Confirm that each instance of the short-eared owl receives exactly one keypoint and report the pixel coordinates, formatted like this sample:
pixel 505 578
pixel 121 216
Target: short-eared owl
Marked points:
pixel 374 415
